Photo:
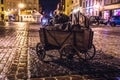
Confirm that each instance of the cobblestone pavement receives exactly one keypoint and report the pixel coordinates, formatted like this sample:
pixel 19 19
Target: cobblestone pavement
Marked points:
pixel 18 59
pixel 105 65
pixel 13 52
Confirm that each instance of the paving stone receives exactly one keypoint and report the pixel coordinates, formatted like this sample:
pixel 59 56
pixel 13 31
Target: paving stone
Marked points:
pixel 1 67
pixel 3 61
pixel 50 78
pixel 21 76
pixel 37 79
pixel 75 77
pixel 16 61
pixel 63 78
pixel 22 65
pixel 23 61
pixel 11 77
pixel 22 69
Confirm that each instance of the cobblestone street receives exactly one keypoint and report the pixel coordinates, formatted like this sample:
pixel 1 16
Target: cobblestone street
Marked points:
pixel 105 65
pixel 13 52
pixel 18 59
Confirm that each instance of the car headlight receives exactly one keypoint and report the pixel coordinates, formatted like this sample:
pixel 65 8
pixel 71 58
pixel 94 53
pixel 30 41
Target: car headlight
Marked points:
pixel 44 21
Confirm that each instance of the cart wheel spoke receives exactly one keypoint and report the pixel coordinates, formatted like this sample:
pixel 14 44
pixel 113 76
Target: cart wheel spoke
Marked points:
pixel 85 55
pixel 89 54
pixel 40 51
pixel 67 52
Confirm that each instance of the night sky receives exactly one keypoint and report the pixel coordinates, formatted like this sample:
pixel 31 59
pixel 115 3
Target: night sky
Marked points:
pixel 48 5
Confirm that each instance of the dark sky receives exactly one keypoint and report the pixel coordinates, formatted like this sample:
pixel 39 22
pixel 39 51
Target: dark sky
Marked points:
pixel 48 5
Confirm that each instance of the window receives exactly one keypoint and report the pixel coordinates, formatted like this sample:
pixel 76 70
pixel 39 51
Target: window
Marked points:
pixel 80 2
pixel 115 1
pixel 2 2
pixel 86 3
pixel 2 8
pixel 72 1
pixel 107 2
pixel 95 2
pixel 100 2
pixel 90 2
pixel 83 4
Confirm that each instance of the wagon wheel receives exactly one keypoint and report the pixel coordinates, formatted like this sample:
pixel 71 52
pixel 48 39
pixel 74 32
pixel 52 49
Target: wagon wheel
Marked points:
pixel 67 51
pixel 87 55
pixel 40 51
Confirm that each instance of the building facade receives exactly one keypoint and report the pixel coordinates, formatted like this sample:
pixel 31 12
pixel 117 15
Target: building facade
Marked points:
pixel 102 8
pixel 20 10
pixel 1 10
pixel 111 8
pixel 94 7
pixel 65 6
pixel 79 5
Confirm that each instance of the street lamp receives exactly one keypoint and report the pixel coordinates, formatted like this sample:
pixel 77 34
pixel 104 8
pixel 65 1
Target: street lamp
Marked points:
pixel 20 6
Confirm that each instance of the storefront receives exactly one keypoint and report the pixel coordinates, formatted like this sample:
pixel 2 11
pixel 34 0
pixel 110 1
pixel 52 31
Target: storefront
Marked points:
pixel 109 13
pixel 116 12
pixel 111 10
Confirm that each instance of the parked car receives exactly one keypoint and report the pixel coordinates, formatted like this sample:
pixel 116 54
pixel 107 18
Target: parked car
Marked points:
pixel 115 20
pixel 96 20
pixel 103 21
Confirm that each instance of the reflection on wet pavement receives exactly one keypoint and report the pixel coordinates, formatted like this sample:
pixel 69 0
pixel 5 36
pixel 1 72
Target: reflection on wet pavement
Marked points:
pixel 107 39
pixel 6 30
pixel 13 48
pixel 18 42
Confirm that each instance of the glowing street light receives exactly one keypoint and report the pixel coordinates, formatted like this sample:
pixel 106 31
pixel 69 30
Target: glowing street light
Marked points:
pixel 21 5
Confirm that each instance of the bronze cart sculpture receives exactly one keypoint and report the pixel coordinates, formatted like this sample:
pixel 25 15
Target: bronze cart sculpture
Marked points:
pixel 69 38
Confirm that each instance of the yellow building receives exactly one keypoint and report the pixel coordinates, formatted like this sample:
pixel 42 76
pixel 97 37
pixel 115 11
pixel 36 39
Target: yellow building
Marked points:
pixel 20 10
pixel 66 6
pixel 78 5
pixel 1 10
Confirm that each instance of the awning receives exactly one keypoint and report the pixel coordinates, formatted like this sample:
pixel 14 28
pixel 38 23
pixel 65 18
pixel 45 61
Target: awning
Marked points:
pixel 13 12
pixel 25 12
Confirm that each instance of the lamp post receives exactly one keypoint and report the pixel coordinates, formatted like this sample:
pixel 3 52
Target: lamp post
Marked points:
pixel 20 6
